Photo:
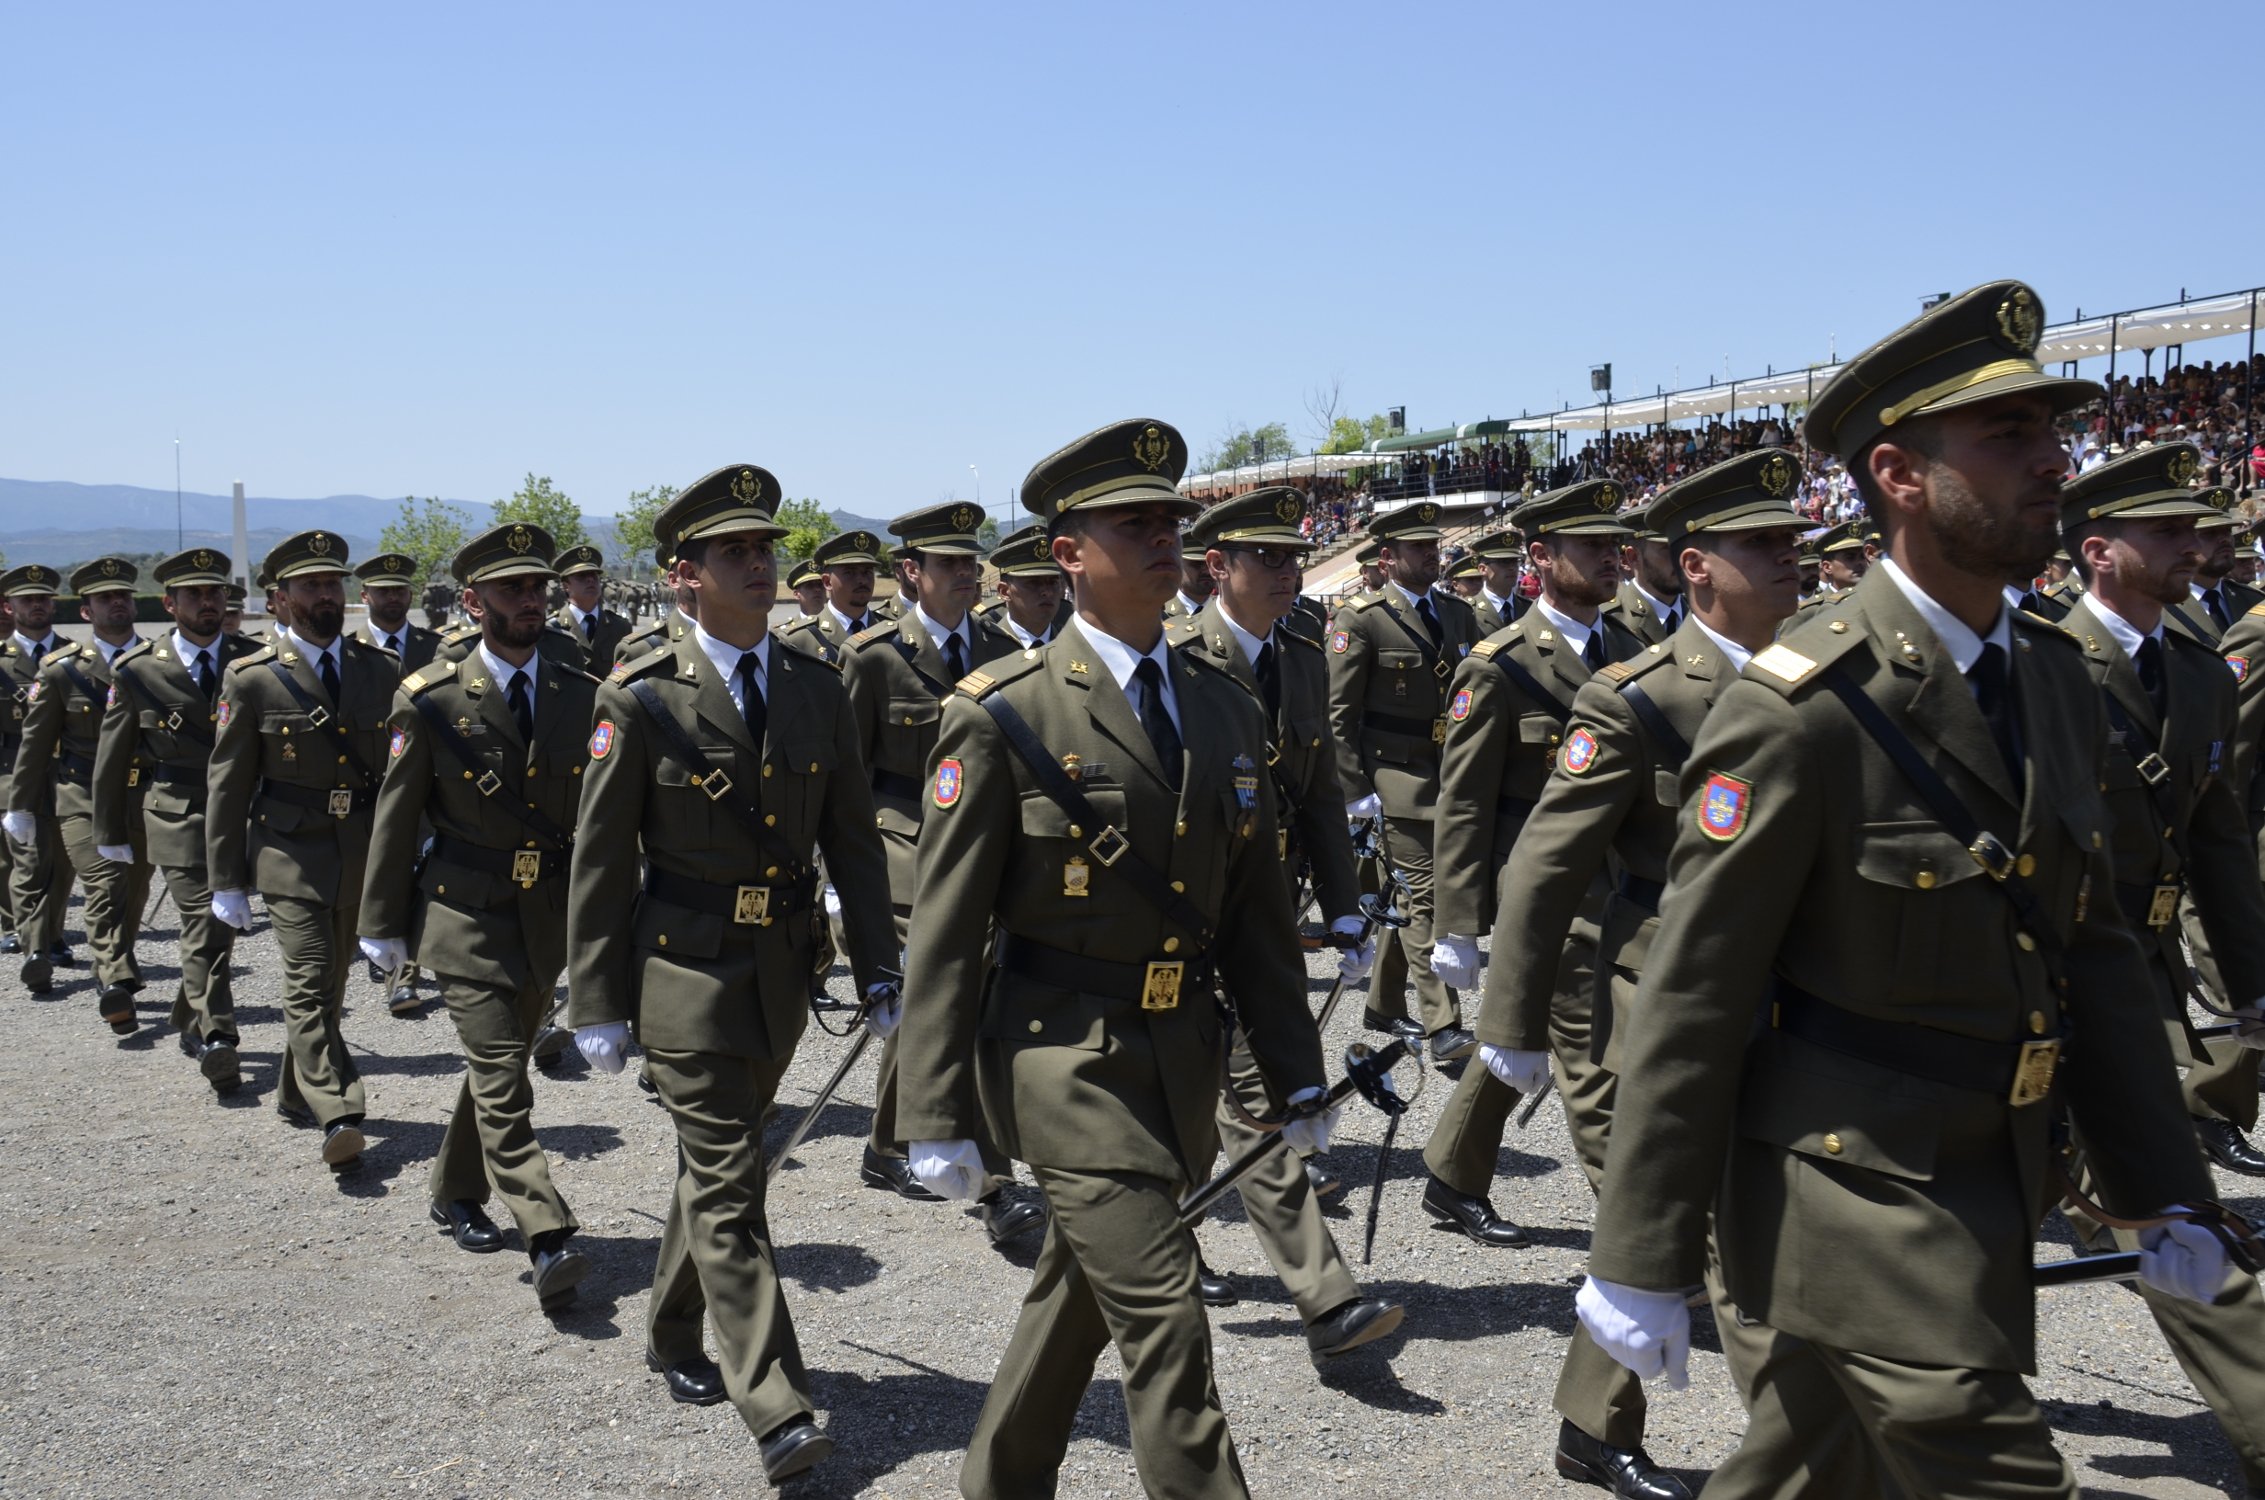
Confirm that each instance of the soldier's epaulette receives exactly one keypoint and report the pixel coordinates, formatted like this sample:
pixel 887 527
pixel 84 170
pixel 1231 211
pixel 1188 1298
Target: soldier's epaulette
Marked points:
pixel 1182 629
pixel 361 645
pixel 2256 609
pixel 260 657
pixel 996 674
pixel 2040 628
pixel 633 666
pixel 814 645
pixel 431 674
pixel 1782 663
pixel 1495 642
pixel 1620 672
pixel 1283 629
pixel 1617 672
pixel 135 652
pixel 1369 601
pixel 874 634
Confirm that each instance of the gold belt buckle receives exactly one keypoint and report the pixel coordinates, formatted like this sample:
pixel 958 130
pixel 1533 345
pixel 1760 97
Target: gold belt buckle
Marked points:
pixel 1161 989
pixel 527 866
pixel 341 802
pixel 133 775
pixel 752 907
pixel 1439 730
pixel 2033 1074
pixel 2162 906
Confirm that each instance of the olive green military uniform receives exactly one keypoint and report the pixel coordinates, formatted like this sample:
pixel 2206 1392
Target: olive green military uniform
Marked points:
pixel 55 771
pixel 898 679
pixel 485 909
pixel 2227 1086
pixel 1873 1217
pixel 667 627
pixel 418 645
pixel 1388 710
pixel 1278 1197
pixel 606 629
pixel 1026 552
pixel 150 769
pixel 1077 1041
pixel 1502 741
pixel 2057 599
pixel 709 958
pixel 1632 607
pixel 288 814
pixel 31 868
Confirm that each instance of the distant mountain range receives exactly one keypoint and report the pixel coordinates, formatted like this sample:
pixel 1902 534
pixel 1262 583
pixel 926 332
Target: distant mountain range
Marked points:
pixel 57 522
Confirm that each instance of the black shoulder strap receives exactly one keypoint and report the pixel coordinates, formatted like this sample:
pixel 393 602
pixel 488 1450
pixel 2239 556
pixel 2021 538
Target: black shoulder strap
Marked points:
pixel 1673 748
pixel 1109 846
pixel 1525 682
pixel 82 682
pixel 324 720
pixel 715 783
pixel 484 777
pixel 175 721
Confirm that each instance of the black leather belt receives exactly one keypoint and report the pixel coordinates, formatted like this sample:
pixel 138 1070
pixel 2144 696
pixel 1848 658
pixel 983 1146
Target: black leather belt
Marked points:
pixel 1515 807
pixel 897 784
pixel 746 905
pixel 523 865
pixel 1962 1062
pixel 73 767
pixel 171 775
pixel 2150 907
pixel 337 801
pixel 1645 893
pixel 1416 729
pixel 1133 983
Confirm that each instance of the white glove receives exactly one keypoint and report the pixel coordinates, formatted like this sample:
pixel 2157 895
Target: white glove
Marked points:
pixel 884 1008
pixel 234 908
pixel 1455 960
pixel 1354 963
pixel 387 953
pixel 117 854
pixel 1527 1072
pixel 605 1045
pixel 1648 1332
pixel 20 826
pixel 831 899
pixel 1366 807
pixel 949 1169
pixel 2184 1260
pixel 1308 1135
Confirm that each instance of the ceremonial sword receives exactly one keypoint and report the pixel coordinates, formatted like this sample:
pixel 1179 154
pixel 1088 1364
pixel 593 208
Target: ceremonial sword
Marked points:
pixel 1367 1072
pixel 857 1046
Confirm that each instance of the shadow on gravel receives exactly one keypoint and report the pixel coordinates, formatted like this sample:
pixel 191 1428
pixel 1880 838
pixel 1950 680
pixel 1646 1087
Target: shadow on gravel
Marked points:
pixel 882 1421
pixel 838 1118
pixel 394 1147
pixel 258 1015
pixel 577 1142
pixel 414 1065
pixel 2196 1450
pixel 832 1268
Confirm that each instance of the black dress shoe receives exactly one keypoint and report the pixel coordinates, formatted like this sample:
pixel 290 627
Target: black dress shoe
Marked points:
pixel 296 1114
pixel 558 1271
pixel 1399 1026
pixel 1473 1216
pixel 1452 1044
pixel 1363 1320
pixel 1215 1289
pixel 1627 1472
pixel 403 1001
pixel 645 1082
pixel 793 1448
pixel 691 1382
pixel 11 944
pixel 1322 1183
pixel 2224 1143
pixel 220 1066
pixel 468 1224
pixel 60 952
pixel 190 1044
pixel 1004 1218
pixel 116 1007
pixel 551 1044
pixel 342 1143
pixel 38 976
pixel 893 1174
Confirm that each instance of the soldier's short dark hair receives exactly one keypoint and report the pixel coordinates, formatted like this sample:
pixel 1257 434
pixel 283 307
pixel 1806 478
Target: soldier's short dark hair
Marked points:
pixel 1922 434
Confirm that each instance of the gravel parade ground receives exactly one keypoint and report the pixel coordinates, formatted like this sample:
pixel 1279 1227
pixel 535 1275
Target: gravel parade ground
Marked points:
pixel 191 1305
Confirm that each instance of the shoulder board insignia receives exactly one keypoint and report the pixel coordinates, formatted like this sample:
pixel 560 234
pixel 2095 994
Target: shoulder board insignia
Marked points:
pixel 264 653
pixel 620 673
pixel 1487 648
pixel 1783 662
pixel 434 672
pixel 871 633
pixel 1299 636
pixel 976 684
pixel 1368 601
pixel 2257 609
pixel 1616 671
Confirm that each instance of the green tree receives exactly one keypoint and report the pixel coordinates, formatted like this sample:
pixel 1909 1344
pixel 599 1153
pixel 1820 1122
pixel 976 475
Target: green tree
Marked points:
pixel 987 534
pixel 1351 434
pixel 429 530
pixel 807 524
pixel 633 527
pixel 1249 445
pixel 537 503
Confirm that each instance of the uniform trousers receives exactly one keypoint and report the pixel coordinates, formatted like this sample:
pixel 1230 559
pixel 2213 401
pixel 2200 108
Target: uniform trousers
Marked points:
pixel 116 895
pixel 716 1258
pixel 39 876
pixel 2225 1087
pixel 1279 1201
pixel 205 998
pixel 317 942
pixel 1117 1267
pixel 1407 847
pixel 490 1140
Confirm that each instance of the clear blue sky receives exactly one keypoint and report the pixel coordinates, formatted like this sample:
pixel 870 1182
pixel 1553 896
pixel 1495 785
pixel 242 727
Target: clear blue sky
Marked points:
pixel 427 249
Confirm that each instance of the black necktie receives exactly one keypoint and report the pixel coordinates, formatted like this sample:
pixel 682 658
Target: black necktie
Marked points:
pixel 1269 685
pixel 38 650
pixel 1429 616
pixel 1593 652
pixel 2149 661
pixel 1993 694
pixel 393 644
pixel 751 698
pixel 2215 602
pixel 589 627
pixel 205 679
pixel 330 676
pixel 1674 620
pixel 955 656
pixel 522 706
pixel 1149 679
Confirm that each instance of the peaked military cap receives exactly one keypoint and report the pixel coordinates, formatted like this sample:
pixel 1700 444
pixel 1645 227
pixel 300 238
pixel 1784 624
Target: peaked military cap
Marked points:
pixel 1746 493
pixel 1266 517
pixel 306 554
pixel 1416 522
pixel 1590 508
pixel 1369 551
pixel 805 571
pixel 1138 462
pixel 103 575
pixel 1025 553
pixel 2221 502
pixel 847 547
pixel 508 551
pixel 1977 346
pixel 236 593
pixel 947 529
pixel 388 570
pixel 195 566
pixel 664 556
pixel 1498 545
pixel 1848 536
pixel 2152 481
pixel 31 578
pixel 579 559
pixel 736 497
pixel 1637 518
pixel 1466 567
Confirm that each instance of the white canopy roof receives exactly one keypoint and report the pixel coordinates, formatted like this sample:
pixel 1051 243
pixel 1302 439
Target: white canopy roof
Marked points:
pixel 1285 470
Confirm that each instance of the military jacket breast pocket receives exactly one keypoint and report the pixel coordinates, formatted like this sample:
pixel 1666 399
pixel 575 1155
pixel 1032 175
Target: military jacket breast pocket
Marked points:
pixel 908 734
pixel 1044 818
pixel 794 789
pixel 1934 924
pixel 693 820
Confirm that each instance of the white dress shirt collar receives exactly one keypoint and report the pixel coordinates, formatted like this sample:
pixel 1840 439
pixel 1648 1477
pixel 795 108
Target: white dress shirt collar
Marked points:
pixel 313 653
pixel 1243 638
pixel 938 634
pixel 187 650
pixel 1576 634
pixel 46 643
pixel 1502 604
pixel 848 626
pixel 1732 652
pixel 1661 608
pixel 2126 634
pixel 727 656
pixel 499 671
pixel 110 652
pixel 1122 661
pixel 1964 646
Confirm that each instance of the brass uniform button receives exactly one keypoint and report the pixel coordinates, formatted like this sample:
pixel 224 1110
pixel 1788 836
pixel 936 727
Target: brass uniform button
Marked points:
pixel 1925 880
pixel 2025 942
pixel 1171 945
pixel 1832 1145
pixel 2025 866
pixel 1179 887
pixel 1036 1027
pixel 1076 832
pixel 766 770
pixel 2037 1022
pixel 770 820
pixel 664 940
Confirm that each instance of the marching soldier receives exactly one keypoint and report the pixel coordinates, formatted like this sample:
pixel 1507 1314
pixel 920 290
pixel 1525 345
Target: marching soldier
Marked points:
pixel 386 579
pixel 808 587
pixel 35 930
pixel 899 673
pixel 1874 1148
pixel 2217 600
pixel 1650 601
pixel 1255 544
pixel 670 624
pixel 1390 656
pixel 1498 603
pixel 150 768
pixel 490 753
pixel 599 630
pixel 1812 572
pixel 292 788
pixel 232 612
pixel 846 563
pixel 52 794
pixel 1031 607
pixel 2057 598
pixel 1195 584
pixel 1369 557
pixel 1465 579
pixel 1612 796
pixel 728 759
pixel 1506 721
pixel 278 607
pixel 1842 557
pixel 1097 800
